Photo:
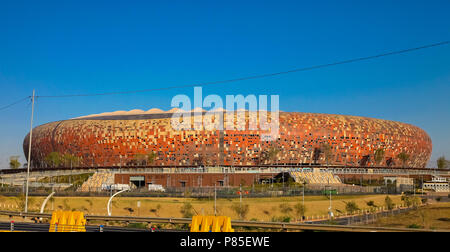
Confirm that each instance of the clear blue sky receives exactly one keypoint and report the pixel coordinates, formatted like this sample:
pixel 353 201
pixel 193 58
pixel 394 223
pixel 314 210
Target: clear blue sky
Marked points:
pixel 65 47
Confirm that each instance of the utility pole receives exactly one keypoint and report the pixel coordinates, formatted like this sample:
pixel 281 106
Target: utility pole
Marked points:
pixel 29 152
pixel 303 195
pixel 240 200
pixel 215 200
pixel 331 209
pixel 240 194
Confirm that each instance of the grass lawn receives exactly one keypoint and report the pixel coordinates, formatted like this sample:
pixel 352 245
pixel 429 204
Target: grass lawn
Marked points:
pixel 432 216
pixel 261 209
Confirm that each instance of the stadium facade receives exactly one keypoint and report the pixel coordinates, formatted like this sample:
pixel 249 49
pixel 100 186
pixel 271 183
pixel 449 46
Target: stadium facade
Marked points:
pixel 117 139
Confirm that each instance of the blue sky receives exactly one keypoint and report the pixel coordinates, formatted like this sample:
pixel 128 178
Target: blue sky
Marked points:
pixel 66 47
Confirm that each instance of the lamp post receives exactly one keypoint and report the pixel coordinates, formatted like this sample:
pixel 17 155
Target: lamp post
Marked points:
pixel 240 201
pixel 29 152
pixel 303 195
pixel 110 199
pixel 330 212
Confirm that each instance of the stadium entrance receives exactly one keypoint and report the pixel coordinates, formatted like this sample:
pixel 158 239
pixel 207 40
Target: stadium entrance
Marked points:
pixel 138 181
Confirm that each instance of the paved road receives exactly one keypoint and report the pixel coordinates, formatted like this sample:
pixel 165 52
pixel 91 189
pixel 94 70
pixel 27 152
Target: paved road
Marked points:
pixel 42 227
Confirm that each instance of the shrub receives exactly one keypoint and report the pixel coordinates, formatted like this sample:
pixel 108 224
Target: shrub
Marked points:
pixel 285 208
pixel 371 204
pixel 240 210
pixel 20 201
pixel 129 209
pixel 281 219
pixel 187 210
pixel 414 226
pixel 300 210
pixel 137 225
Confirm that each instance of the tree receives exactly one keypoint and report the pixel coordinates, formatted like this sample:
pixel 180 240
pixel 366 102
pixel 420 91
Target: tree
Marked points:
pixel 69 160
pixel 151 157
pixel 56 159
pixel 327 151
pixel 269 155
pixel 53 159
pixel 14 162
pixel 379 156
pixel 390 162
pixel 285 208
pixel 403 157
pixel 351 207
pixel 411 201
pixel 442 163
pixel 187 210
pixel 371 205
pixel 300 210
pixel 316 155
pixel 199 160
pixel 389 203
pixel 240 210
pixel 364 160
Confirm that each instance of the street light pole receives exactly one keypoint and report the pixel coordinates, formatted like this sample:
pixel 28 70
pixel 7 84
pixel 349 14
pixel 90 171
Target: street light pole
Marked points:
pixel 240 201
pixel 330 213
pixel 303 195
pixel 29 152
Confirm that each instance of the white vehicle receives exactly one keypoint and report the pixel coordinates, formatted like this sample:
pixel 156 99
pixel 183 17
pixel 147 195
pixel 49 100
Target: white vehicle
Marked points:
pixel 156 188
pixel 120 187
pixel 115 187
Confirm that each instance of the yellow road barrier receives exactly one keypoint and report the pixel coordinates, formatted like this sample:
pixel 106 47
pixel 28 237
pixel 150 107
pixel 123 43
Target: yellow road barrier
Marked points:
pixel 66 221
pixel 211 224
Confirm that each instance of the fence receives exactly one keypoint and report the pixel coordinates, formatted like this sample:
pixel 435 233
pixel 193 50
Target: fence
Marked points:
pixel 201 192
pixel 363 216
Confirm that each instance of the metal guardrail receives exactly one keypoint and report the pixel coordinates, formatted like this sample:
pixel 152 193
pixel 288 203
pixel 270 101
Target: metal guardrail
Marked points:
pixel 244 224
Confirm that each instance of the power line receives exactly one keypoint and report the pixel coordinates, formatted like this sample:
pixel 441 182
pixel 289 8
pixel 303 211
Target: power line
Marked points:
pixel 14 103
pixel 258 76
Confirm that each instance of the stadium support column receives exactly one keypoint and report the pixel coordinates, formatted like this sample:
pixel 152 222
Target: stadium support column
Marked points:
pixel 29 152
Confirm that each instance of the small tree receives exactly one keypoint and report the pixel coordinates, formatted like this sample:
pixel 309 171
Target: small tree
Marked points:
pixel 403 157
pixel 20 201
pixel 351 207
pixel 285 208
pixel 442 163
pixel 371 205
pixel 389 203
pixel 187 210
pixel 151 157
pixel 300 211
pixel 411 201
pixel 316 155
pixel 327 150
pixel 240 210
pixel 379 156
pixel 14 162
pixel 53 159
pixel 69 160
pixel 269 155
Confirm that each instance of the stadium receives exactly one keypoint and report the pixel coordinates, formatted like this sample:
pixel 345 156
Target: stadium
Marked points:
pixel 145 140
